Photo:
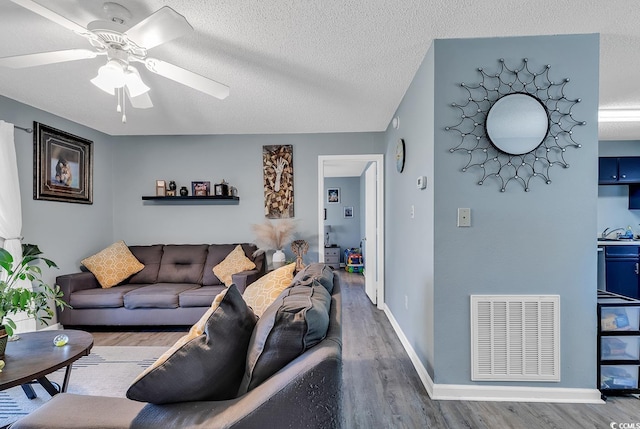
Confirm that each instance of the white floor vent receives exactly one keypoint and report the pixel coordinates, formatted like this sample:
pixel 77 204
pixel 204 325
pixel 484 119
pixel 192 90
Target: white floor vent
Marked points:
pixel 515 337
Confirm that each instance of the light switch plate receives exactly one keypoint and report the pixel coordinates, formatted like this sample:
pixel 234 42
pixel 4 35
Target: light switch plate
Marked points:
pixel 464 217
pixel 421 182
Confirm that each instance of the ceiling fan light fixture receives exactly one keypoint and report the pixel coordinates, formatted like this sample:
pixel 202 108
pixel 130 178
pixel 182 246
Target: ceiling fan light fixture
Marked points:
pixel 110 76
pixel 134 83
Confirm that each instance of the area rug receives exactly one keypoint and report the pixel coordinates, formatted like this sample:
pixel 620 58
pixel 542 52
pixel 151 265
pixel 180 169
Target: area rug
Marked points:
pixel 107 371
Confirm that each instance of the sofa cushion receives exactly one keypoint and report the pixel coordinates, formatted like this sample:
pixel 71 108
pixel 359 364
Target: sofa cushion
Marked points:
pixel 150 256
pixel 100 298
pixel 235 262
pixel 182 263
pixel 316 271
pixel 260 294
pixel 205 364
pixel 113 264
pixel 159 295
pixel 216 254
pixel 200 297
pixel 297 320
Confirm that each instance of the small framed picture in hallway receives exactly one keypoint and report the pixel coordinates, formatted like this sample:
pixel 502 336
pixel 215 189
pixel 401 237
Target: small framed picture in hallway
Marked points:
pixel 333 195
pixel 348 212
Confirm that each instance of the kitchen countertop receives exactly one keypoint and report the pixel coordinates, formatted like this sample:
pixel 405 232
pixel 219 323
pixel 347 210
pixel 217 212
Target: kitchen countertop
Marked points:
pixel 634 242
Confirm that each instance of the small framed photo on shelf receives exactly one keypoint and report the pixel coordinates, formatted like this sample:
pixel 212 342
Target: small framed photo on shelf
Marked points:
pixel 200 189
pixel 161 188
pixel 348 212
pixel 333 195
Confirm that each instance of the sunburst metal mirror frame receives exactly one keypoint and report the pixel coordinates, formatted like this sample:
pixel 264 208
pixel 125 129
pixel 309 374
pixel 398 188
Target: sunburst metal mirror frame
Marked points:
pixel 494 162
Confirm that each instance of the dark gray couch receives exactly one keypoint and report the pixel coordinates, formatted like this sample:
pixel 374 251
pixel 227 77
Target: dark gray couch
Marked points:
pixel 176 287
pixel 306 393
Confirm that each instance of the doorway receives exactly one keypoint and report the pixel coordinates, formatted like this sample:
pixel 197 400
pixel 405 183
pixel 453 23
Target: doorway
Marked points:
pixel 371 169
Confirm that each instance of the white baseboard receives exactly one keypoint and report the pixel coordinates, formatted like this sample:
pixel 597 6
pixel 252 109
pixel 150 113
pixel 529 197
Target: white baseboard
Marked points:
pixel 463 392
pixel 417 364
pixel 472 392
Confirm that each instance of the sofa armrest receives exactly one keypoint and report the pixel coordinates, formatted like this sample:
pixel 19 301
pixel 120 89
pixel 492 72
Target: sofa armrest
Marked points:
pixel 70 283
pixel 244 279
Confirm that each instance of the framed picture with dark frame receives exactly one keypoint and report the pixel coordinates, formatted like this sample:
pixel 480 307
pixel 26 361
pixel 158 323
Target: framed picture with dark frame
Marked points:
pixel 333 195
pixel 348 212
pixel 63 166
pixel 200 188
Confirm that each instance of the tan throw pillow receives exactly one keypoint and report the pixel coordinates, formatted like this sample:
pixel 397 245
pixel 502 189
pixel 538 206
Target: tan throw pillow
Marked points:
pixel 235 262
pixel 113 264
pixel 208 363
pixel 260 294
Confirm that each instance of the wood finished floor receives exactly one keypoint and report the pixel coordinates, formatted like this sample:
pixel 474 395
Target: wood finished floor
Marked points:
pixel 382 388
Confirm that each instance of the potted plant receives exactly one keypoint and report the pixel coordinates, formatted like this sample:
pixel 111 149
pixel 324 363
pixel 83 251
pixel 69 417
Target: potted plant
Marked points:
pixel 15 299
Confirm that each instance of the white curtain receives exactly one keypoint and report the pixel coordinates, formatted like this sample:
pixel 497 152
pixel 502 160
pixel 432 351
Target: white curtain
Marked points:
pixel 11 206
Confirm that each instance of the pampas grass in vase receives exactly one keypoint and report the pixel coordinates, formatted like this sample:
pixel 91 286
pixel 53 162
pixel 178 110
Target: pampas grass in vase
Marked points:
pixel 275 235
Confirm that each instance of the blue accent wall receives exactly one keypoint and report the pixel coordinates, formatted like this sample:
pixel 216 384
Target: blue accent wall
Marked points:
pixel 537 242
pixel 345 232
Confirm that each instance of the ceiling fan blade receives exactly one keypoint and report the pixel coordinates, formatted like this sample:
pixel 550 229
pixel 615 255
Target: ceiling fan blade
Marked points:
pixel 142 101
pixel 188 78
pixel 161 26
pixel 51 15
pixel 43 58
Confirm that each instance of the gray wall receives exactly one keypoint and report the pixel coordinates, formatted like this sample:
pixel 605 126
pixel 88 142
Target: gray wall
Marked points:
pixel 65 232
pixel 139 161
pixel 539 242
pixel 344 232
pixel 125 169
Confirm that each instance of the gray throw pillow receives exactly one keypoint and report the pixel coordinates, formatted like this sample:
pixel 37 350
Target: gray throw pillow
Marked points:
pixel 206 364
pixel 296 321
pixel 316 271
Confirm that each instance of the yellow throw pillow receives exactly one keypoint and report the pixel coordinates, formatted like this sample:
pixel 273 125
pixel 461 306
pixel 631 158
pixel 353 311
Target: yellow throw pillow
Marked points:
pixel 235 262
pixel 113 264
pixel 260 294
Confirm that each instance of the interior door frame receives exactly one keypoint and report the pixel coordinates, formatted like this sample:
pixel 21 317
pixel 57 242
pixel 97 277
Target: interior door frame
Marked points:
pixel 379 160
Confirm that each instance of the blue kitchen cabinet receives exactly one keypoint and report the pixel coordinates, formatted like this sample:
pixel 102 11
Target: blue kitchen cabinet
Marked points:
pixel 618 170
pixel 607 171
pixel 622 267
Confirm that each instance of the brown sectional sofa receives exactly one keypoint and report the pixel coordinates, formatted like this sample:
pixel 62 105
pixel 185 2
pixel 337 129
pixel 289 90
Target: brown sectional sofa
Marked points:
pixel 176 287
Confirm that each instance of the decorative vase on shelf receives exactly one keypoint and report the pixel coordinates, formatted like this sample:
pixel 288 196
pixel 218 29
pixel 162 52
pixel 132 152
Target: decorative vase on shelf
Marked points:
pixel 184 191
pixel 278 259
pixel 172 185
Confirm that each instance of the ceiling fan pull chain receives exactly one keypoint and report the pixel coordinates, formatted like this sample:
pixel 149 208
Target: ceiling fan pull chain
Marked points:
pixel 118 107
pixel 124 106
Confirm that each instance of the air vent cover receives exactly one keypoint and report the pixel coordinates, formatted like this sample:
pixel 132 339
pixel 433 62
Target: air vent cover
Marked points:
pixel 515 337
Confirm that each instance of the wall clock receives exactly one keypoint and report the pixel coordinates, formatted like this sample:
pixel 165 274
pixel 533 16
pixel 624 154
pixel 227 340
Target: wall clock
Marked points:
pixel 400 155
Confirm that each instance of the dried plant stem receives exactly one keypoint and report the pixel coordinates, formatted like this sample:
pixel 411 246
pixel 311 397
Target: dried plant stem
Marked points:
pixel 274 235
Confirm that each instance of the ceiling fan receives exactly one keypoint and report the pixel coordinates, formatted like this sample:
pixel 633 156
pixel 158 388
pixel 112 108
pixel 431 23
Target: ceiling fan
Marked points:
pixel 122 46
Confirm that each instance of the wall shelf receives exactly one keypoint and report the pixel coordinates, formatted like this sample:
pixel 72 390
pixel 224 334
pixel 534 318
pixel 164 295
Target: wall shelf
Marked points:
pixel 190 199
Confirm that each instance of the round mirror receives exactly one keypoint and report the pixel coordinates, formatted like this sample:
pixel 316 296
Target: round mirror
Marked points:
pixel 517 123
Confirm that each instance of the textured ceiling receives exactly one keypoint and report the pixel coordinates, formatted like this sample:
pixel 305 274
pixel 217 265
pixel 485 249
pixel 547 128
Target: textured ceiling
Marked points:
pixel 300 66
